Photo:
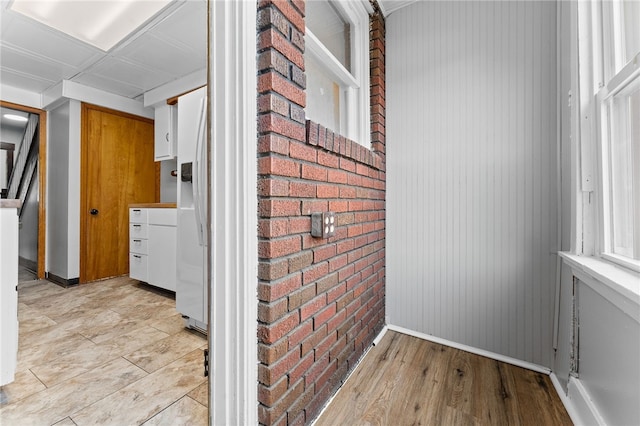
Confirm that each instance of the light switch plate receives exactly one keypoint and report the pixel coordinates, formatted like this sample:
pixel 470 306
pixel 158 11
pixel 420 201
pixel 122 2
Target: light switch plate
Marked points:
pixel 323 225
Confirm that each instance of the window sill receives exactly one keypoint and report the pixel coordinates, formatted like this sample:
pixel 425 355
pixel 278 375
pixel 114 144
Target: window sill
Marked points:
pixel 618 285
pixel 318 135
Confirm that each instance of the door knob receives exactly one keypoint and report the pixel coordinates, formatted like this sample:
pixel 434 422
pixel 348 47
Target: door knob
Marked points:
pixel 94 211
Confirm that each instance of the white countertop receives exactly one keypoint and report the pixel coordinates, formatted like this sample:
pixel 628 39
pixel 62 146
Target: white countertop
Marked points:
pixel 10 204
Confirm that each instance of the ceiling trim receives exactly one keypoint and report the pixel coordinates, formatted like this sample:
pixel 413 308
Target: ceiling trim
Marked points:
pixel 72 90
pixel 175 87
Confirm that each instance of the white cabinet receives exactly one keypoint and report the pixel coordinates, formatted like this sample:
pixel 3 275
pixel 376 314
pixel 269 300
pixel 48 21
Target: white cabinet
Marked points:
pixel 138 244
pixel 165 132
pixel 152 246
pixel 8 290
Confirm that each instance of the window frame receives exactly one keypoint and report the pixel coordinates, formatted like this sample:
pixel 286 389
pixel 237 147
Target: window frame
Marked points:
pixel 606 83
pixel 355 90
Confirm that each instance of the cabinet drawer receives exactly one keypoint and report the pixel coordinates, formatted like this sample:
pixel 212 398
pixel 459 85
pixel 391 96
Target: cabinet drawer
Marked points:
pixel 138 245
pixel 138 268
pixel 138 215
pixel 138 230
pixel 167 217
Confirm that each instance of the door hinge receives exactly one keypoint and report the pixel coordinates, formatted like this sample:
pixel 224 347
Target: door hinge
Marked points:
pixel 206 363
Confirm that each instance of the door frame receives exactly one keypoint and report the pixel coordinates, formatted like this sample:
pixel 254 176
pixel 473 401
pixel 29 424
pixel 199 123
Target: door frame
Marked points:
pixel 232 274
pixel 42 180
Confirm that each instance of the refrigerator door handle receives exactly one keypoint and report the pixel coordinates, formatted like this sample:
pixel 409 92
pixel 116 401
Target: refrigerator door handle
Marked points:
pixel 203 188
pixel 198 199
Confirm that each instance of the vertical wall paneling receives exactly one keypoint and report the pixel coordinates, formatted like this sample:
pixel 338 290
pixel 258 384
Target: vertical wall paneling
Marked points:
pixel 472 173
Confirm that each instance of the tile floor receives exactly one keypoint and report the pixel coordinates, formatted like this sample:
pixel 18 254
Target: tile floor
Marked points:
pixel 113 352
pixel 25 274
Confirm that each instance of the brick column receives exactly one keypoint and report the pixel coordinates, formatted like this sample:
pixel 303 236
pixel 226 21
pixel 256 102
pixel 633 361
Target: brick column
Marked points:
pixel 321 301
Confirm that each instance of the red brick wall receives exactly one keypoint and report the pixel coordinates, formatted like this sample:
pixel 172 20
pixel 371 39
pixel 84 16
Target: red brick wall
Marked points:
pixel 321 301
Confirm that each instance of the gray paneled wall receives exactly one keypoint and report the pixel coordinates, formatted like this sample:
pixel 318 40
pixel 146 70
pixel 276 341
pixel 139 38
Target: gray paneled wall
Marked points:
pixel 471 168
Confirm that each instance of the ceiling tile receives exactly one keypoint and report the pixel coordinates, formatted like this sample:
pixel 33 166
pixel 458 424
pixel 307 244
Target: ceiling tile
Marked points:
pixel 117 69
pixel 25 82
pixel 161 55
pixel 24 63
pixel 192 15
pixel 33 37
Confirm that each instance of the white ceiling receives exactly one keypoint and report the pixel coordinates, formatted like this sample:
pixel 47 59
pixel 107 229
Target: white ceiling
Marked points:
pixel 172 44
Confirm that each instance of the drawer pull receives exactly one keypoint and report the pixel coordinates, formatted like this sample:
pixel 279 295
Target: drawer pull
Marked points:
pixel 137 256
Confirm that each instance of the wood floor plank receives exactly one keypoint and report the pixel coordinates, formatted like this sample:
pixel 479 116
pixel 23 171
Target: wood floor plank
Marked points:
pixel 406 380
pixel 364 385
pixel 538 396
pixel 428 373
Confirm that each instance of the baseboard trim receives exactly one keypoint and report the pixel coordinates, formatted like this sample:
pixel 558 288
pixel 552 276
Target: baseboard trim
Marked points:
pixel 379 336
pixel 581 404
pixel 566 401
pixel 498 357
pixel 64 282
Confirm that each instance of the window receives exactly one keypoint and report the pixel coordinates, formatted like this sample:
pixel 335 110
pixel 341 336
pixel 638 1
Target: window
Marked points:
pixel 337 67
pixel 618 103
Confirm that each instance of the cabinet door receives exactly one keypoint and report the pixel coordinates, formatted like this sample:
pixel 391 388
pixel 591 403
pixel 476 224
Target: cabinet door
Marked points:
pixel 164 132
pixel 162 256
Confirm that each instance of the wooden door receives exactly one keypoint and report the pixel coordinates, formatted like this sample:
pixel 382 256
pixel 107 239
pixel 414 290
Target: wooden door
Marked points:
pixel 117 169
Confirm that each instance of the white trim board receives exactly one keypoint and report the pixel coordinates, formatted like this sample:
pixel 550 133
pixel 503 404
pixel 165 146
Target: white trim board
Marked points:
pixel 67 89
pixel 577 402
pixel 233 222
pixel 612 282
pixel 498 357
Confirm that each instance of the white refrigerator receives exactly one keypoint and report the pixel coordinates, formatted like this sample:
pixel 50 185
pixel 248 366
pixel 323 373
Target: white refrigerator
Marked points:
pixel 191 289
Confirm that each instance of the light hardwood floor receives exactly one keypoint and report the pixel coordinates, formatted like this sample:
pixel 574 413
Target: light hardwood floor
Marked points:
pixel 409 381
pixel 113 352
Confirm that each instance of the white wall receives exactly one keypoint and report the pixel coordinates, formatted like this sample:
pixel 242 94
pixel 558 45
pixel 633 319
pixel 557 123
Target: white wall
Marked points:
pixel 28 244
pixel 63 191
pixel 609 352
pixel 471 158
